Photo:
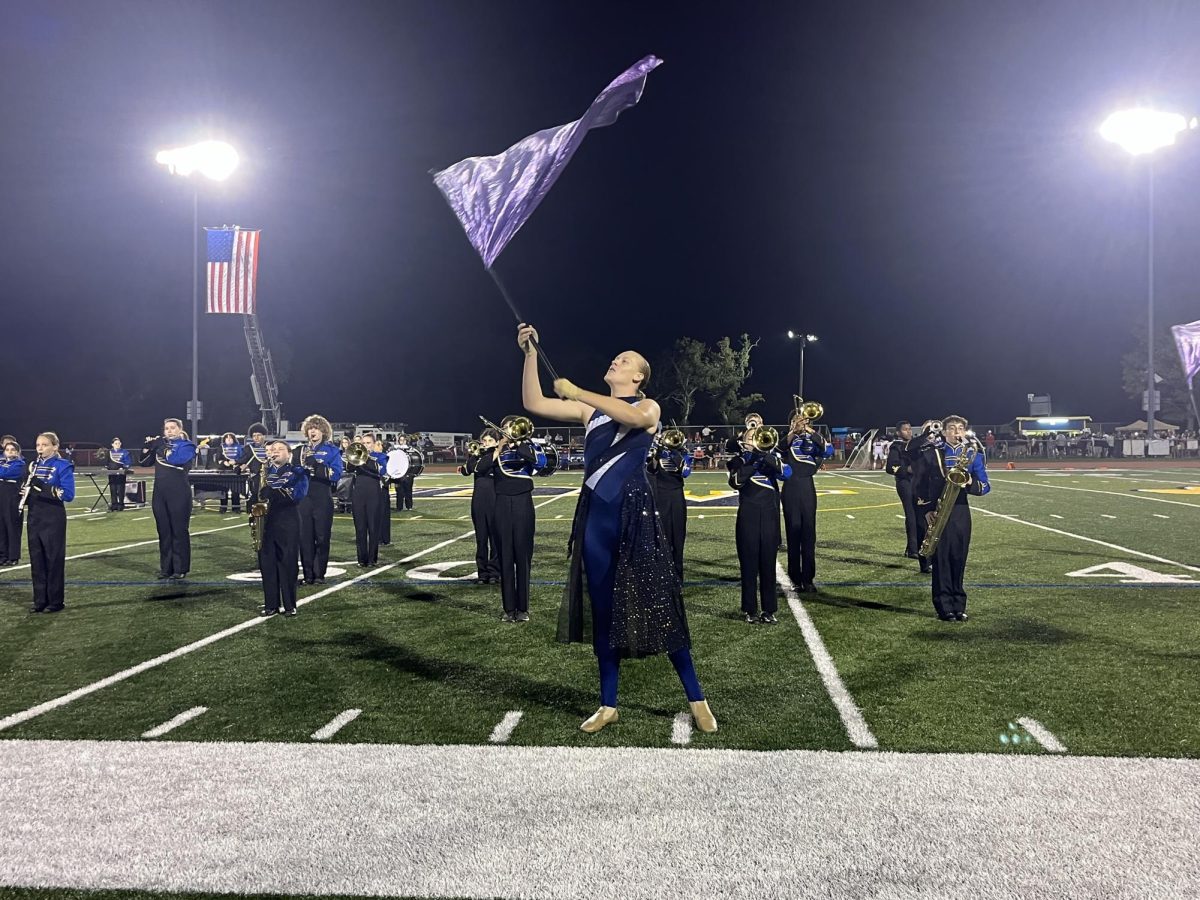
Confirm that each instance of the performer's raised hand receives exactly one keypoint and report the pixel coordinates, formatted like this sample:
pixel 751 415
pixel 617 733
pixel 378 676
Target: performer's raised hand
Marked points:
pixel 566 389
pixel 526 337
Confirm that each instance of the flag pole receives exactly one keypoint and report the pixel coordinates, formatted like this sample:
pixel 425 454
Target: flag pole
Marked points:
pixel 521 321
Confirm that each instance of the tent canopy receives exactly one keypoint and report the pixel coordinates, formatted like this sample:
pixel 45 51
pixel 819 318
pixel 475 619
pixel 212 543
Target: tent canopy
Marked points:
pixel 1140 425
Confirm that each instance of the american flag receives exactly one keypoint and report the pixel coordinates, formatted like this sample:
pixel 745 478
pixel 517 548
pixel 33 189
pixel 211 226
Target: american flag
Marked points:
pixel 232 269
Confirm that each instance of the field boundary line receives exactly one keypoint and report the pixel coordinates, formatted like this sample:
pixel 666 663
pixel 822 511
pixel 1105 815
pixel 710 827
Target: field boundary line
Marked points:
pixel 172 724
pixel 852 717
pixel 41 708
pixel 1090 540
pixel 130 546
pixel 1063 487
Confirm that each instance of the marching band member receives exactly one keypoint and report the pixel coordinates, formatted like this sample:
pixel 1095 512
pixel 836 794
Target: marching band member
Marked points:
pixel 254 457
pixel 481 464
pixel 228 459
pixel 404 484
pixel 12 474
pixel 322 462
pixel 385 508
pixel 365 501
pixel 929 478
pixel 50 484
pixel 514 463
pixel 806 448
pixel 284 487
pixel 755 474
pixel 900 467
pixel 172 456
pixel 668 466
pixel 616 539
pixel 118 463
pixel 930 436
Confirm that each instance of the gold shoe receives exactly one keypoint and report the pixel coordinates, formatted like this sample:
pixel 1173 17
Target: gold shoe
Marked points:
pixel 705 720
pixel 605 715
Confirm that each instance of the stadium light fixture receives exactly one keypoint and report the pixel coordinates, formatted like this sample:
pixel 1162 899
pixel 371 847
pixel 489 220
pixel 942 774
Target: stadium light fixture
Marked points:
pixel 1141 131
pixel 805 339
pixel 215 160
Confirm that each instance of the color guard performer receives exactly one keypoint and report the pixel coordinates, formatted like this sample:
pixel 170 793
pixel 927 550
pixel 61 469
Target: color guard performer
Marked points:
pixel 806 448
pixel 322 462
pixel 617 542
pixel 284 488
pixel 481 464
pixel 228 459
pixel 514 462
pixel 365 500
pixel 12 476
pixel 755 474
pixel 172 455
pixel 49 484
pixel 669 464
pixel 118 462
pixel 942 478
pixel 900 467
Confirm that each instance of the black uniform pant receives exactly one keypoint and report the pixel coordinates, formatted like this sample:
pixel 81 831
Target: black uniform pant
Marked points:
pixel 404 493
pixel 757 535
pixel 172 510
pixel 483 517
pixel 48 553
pixel 514 540
pixel 116 490
pixel 800 520
pixel 10 521
pixel 904 491
pixel 364 504
pixel 672 513
pixel 950 563
pixel 278 556
pixel 385 518
pixel 316 529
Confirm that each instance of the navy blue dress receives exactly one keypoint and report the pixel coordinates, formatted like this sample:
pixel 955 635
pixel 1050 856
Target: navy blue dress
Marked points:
pixel 617 543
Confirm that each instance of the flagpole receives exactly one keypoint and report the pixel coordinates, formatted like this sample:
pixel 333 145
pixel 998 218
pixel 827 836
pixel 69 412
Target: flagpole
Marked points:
pixel 520 321
pixel 195 314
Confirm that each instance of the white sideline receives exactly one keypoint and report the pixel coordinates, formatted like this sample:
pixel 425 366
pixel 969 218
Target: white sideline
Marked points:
pixel 35 711
pixel 172 724
pixel 1080 537
pixel 340 721
pixel 130 546
pixel 1042 735
pixel 1126 494
pixel 852 717
pixel 681 729
pixel 503 731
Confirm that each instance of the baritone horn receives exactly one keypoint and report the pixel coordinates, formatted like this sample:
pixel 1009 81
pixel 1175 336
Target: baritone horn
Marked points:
pixel 672 439
pixel 357 454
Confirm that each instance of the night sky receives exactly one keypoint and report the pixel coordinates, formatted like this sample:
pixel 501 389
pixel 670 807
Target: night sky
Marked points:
pixel 920 183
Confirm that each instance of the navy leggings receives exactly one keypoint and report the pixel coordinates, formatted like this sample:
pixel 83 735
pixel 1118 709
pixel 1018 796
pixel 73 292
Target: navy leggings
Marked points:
pixel 601 540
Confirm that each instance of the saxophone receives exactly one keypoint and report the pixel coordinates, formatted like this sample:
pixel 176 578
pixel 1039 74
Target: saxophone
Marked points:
pixel 956 479
pixel 258 519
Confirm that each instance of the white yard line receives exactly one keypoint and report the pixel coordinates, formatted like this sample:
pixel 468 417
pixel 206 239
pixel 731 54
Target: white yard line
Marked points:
pixel 504 729
pixel 231 518
pixel 129 546
pixel 856 726
pixel 340 721
pixel 172 724
pixel 1126 494
pixel 1042 735
pixel 1080 537
pixel 140 519
pixel 1106 516
pixel 1053 516
pixel 681 729
pixel 1159 516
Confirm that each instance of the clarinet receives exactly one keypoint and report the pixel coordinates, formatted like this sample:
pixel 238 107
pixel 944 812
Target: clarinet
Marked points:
pixel 27 487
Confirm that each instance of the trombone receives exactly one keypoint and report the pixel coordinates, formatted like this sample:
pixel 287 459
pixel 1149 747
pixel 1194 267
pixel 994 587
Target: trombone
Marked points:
pixel 515 428
pixel 805 413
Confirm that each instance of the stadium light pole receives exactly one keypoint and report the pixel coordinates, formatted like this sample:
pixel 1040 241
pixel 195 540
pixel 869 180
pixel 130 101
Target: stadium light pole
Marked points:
pixel 216 161
pixel 1140 132
pixel 805 340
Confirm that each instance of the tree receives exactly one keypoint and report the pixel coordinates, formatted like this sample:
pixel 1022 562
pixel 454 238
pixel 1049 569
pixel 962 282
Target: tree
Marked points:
pixel 695 371
pixel 1173 389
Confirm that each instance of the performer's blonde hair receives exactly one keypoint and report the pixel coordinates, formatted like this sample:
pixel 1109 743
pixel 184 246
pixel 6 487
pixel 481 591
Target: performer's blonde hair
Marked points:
pixel 315 421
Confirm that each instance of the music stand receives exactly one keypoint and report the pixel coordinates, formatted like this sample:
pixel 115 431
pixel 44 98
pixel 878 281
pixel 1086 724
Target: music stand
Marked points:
pixel 101 493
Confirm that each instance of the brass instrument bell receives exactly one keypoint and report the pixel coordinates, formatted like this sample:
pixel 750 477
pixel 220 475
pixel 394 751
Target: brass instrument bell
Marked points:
pixel 357 454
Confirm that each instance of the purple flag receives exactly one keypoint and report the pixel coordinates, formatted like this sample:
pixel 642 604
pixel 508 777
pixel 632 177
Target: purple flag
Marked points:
pixel 1187 340
pixel 493 196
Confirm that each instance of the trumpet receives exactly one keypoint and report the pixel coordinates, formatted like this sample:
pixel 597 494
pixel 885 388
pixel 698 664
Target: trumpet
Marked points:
pixel 764 439
pixel 754 422
pixel 357 454
pixel 474 448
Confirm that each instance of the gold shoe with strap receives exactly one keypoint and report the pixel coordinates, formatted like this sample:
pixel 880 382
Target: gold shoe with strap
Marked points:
pixel 705 720
pixel 605 715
